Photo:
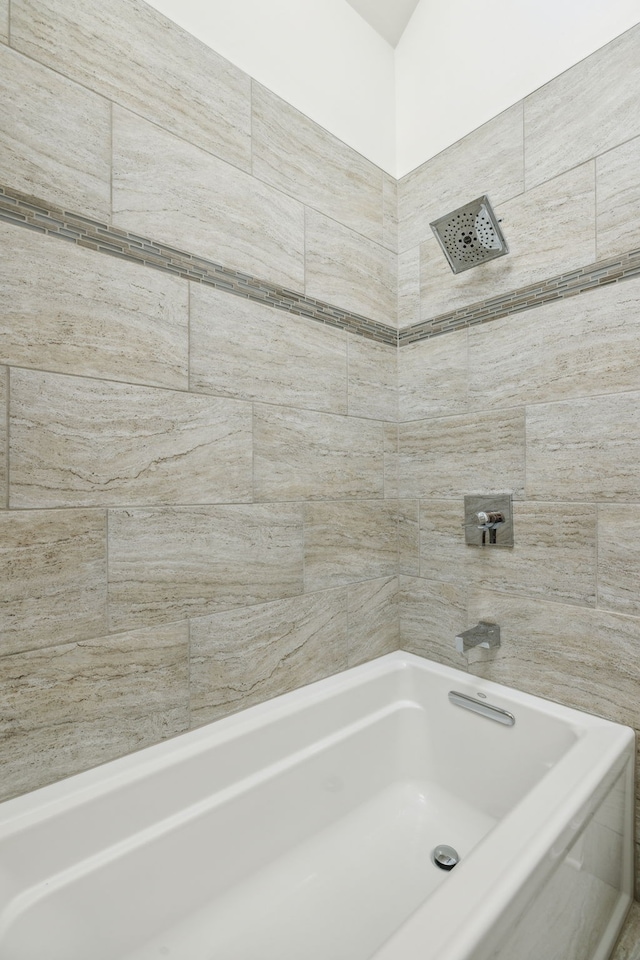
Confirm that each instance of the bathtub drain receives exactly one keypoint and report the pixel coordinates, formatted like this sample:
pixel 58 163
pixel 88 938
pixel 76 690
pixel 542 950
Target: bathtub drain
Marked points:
pixel 445 857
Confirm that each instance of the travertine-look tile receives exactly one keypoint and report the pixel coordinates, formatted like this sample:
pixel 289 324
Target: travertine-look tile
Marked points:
pixel 305 161
pixel 78 311
pixel 390 212
pixel 53 566
pixel 593 104
pixel 349 542
pixel 300 455
pixel 131 54
pixel 585 449
pixel 618 199
pixel 433 376
pixel 373 379
pixel 549 230
pixel 554 552
pixel 585 345
pixel 349 271
pixel 390 460
pixel 628 944
pixel 175 192
pixel 77 442
pixel 253 352
pixel 245 656
pixel 453 456
pixel 374 619
pixel 409 537
pixel 4 21
pixel 431 614
pixel 74 705
pixel 56 137
pixel 580 657
pixel 619 557
pixel 488 160
pixel 4 439
pixel 409 288
pixel 169 563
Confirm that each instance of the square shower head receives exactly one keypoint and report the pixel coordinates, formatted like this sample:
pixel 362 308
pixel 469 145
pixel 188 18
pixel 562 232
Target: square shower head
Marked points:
pixel 470 235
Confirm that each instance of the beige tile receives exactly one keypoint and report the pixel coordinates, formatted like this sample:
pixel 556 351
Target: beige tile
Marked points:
pixel 300 455
pixel 302 159
pixel 453 456
pixel 488 160
pixel 53 566
pixel 347 270
pixel 167 189
pixel 374 619
pixel 618 200
pixel 585 449
pixel 433 376
pixel 593 104
pixel 390 460
pixel 4 21
pixel 628 944
pixel 431 614
pixel 74 705
pixel 579 657
pixel 582 346
pixel 245 656
pixel 390 212
pixel 4 438
pixel 349 542
pixel 253 352
pixel 619 557
pixel 131 54
pixel 78 311
pixel 77 442
pixel 409 538
pixel 56 137
pixel 554 552
pixel 373 379
pixel 169 563
pixel 549 230
pixel 409 288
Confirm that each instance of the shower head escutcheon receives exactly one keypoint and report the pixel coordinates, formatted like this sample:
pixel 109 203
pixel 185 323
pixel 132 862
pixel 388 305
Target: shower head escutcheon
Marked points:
pixel 470 235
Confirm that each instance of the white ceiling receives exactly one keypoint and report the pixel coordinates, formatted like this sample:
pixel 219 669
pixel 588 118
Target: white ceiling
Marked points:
pixel 388 17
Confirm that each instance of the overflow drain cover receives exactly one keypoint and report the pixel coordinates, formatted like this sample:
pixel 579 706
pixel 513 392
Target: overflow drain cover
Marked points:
pixel 445 857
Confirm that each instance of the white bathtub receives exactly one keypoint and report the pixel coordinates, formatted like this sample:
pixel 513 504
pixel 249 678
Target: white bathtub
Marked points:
pixel 302 829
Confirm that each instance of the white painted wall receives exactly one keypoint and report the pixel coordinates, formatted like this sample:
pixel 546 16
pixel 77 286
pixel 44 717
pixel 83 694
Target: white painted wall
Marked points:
pixel 460 62
pixel 318 55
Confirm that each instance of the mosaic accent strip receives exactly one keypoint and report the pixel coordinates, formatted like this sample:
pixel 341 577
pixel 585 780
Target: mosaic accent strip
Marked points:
pixel 591 277
pixel 34 214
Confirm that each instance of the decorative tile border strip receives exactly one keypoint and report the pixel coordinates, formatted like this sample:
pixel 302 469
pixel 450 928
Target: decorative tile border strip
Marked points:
pixel 591 277
pixel 34 214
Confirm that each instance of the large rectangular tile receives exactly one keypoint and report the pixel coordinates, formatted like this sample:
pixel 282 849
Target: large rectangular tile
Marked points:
pixel 390 460
pixel 4 21
pixel 554 552
pixel 374 619
pixel 585 449
pixel 77 442
pixel 433 376
pixel 56 141
pixel 245 656
pixel 53 568
pixel 619 557
pixel 390 212
pixel 243 349
pixel 549 230
pixel 373 379
pixel 347 270
pixel 300 455
pixel 618 199
pixel 78 311
pixel 170 563
pixel 431 614
pixel 349 542
pixel 4 438
pixel 488 160
pixel 409 288
pixel 131 54
pixel 453 456
pixel 74 705
pixel 593 104
pixel 409 537
pixel 170 190
pixel 581 346
pixel 302 159
pixel 580 657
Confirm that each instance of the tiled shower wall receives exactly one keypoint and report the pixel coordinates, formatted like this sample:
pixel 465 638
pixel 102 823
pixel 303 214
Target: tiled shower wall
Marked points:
pixel 543 403
pixel 197 489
